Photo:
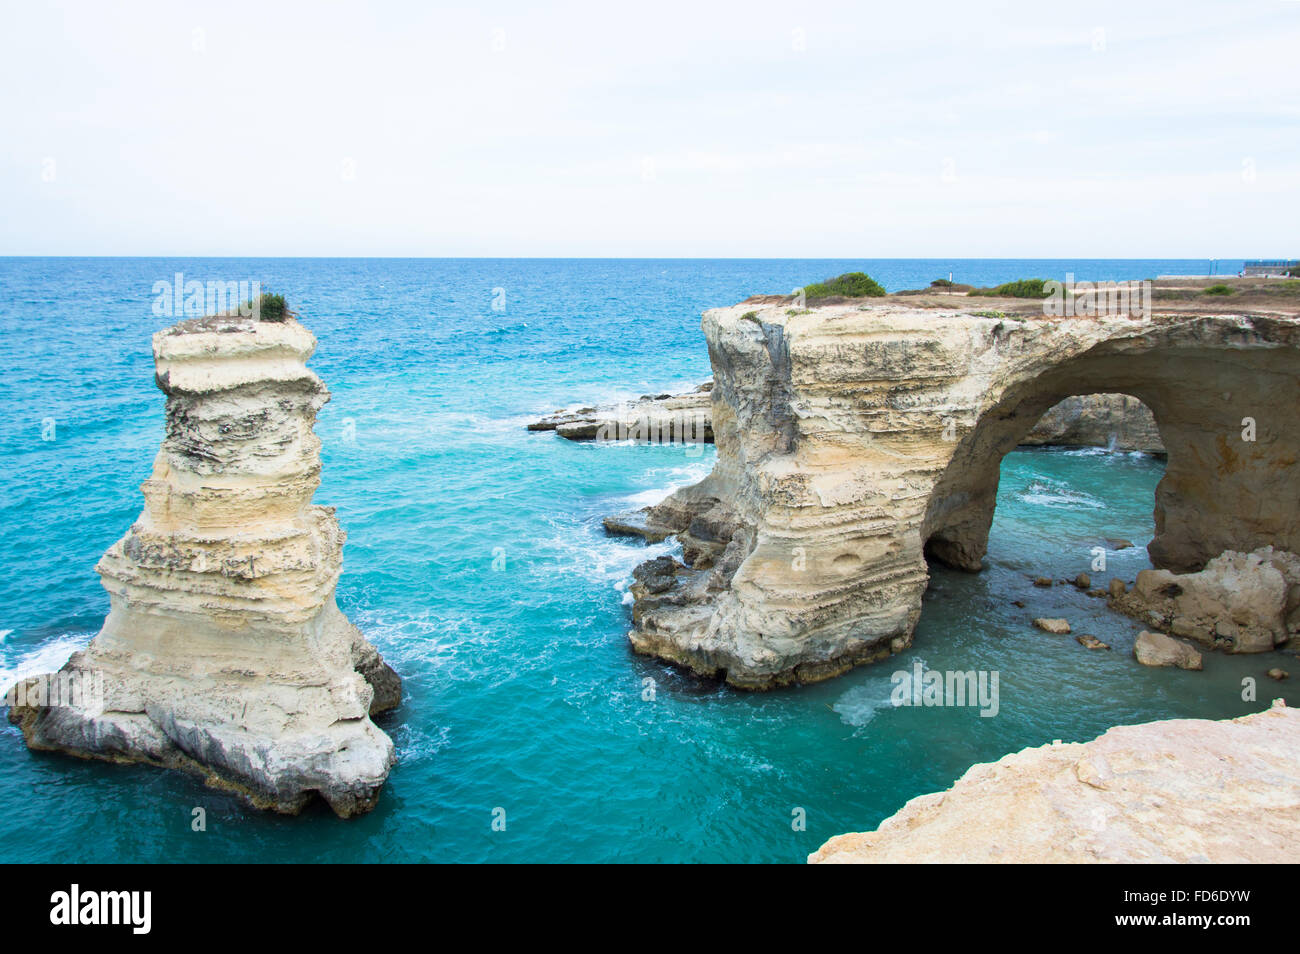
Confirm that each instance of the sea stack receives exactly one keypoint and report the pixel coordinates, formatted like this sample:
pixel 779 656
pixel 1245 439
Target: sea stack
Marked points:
pixel 224 653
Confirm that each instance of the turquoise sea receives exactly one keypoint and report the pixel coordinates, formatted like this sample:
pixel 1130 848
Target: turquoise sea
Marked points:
pixel 477 565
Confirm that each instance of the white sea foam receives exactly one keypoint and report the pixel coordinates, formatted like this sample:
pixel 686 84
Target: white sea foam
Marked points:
pixel 1054 494
pixel 647 498
pixel 861 704
pixel 667 480
pixel 48 657
pixel 587 551
pixel 1087 452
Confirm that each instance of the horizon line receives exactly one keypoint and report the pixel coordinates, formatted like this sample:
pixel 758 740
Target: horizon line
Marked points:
pixel 682 258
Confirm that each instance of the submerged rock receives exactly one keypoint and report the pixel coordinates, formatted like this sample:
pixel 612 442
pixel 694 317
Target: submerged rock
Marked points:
pixel 224 653
pixel 1057 627
pixel 1182 790
pixel 1090 642
pixel 1157 649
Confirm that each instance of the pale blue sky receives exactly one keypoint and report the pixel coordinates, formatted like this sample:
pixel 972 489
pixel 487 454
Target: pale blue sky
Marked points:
pixel 774 130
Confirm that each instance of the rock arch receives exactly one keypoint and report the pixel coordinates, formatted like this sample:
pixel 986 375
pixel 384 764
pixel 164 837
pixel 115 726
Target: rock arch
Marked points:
pixel 851 437
pixel 1220 491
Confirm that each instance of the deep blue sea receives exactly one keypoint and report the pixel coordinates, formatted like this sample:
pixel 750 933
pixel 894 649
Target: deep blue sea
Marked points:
pixel 476 563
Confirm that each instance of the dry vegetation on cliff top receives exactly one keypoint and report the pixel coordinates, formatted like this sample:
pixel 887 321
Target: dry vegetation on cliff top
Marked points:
pixel 1216 295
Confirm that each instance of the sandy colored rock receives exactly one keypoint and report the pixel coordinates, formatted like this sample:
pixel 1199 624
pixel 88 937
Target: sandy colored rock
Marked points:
pixel 1183 790
pixel 1157 649
pixel 1057 627
pixel 856 440
pixel 1278 674
pixel 1090 642
pixel 1240 602
pixel 224 653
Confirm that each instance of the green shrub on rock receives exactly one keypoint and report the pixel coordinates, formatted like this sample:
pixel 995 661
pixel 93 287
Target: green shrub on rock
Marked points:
pixel 848 285
pixel 1025 288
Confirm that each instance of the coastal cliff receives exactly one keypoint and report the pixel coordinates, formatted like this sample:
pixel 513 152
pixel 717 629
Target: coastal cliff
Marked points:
pixel 855 442
pixel 1182 790
pixel 224 653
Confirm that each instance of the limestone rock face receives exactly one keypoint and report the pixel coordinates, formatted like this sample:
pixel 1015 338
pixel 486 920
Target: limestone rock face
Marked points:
pixel 1157 649
pixel 1184 790
pixel 856 440
pixel 1240 602
pixel 1117 421
pixel 224 652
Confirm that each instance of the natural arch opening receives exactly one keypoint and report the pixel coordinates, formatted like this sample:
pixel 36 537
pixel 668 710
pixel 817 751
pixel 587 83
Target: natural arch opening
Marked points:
pixel 1115 421
pixel 1227 425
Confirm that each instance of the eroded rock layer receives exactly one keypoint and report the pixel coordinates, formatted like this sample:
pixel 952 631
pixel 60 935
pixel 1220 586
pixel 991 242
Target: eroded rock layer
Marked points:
pixel 855 441
pixel 1184 790
pixel 224 652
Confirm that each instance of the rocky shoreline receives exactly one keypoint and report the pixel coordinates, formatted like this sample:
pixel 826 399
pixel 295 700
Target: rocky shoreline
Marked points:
pixel 1176 791
pixel 224 653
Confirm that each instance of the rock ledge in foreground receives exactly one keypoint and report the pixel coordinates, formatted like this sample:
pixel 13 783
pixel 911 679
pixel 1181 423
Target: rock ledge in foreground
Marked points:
pixel 1184 790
